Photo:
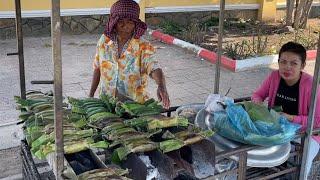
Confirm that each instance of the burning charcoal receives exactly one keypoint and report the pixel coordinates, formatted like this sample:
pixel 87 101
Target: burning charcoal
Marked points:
pixel 185 175
pixel 78 168
pixel 202 168
pixel 152 172
pixel 168 135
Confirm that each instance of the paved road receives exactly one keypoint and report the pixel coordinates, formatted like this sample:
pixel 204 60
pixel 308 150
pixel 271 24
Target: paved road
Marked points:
pixel 189 79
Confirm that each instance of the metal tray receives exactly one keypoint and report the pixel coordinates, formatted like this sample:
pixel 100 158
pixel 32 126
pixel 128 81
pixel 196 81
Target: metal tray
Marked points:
pixel 189 111
pixel 260 157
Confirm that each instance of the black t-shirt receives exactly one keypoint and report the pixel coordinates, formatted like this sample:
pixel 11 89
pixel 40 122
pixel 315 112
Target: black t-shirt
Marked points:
pixel 288 97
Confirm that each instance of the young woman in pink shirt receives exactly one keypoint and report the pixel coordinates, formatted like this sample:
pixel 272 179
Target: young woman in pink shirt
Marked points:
pixel 290 88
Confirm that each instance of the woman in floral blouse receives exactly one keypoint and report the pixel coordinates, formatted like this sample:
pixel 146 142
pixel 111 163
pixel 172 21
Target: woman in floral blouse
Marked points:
pixel 123 60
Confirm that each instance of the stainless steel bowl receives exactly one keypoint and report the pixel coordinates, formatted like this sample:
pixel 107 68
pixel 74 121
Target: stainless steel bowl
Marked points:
pixel 190 111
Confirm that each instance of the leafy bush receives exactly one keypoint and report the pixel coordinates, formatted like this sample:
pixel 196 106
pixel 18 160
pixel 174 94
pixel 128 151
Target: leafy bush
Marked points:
pixel 213 21
pixel 258 46
pixel 238 50
pixel 172 28
pixel 194 34
pixel 308 40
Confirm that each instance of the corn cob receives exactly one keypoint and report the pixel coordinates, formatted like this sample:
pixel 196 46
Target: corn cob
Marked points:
pixel 77 109
pixel 104 174
pixel 100 115
pixel 171 145
pixel 167 122
pixel 113 126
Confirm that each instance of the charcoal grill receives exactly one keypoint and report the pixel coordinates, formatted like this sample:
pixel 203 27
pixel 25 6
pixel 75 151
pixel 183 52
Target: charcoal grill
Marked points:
pixel 188 162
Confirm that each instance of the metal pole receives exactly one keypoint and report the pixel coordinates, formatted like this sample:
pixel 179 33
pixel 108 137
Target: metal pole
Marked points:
pixel 306 146
pixel 19 36
pixel 242 170
pixel 220 38
pixel 57 65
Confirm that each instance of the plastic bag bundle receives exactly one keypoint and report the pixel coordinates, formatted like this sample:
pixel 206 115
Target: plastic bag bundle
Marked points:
pixel 266 128
pixel 214 102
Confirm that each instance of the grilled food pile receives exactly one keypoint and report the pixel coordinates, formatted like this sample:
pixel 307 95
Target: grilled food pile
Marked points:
pixel 38 116
pixel 121 127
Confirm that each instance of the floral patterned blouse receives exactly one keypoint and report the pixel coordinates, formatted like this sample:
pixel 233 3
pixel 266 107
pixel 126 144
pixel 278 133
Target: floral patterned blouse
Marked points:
pixel 128 72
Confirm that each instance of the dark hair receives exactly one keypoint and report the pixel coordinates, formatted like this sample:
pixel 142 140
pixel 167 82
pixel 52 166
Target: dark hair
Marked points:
pixel 294 48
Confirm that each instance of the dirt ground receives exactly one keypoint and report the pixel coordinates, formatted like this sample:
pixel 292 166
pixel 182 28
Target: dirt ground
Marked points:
pixel 245 38
pixel 10 162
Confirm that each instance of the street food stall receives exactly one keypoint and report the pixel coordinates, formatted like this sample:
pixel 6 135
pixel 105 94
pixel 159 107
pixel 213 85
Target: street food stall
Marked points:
pixel 167 147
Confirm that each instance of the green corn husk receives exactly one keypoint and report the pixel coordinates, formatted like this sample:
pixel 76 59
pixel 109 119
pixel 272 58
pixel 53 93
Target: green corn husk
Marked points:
pixel 120 111
pixel 78 146
pixel 171 145
pixel 25 115
pixel 78 109
pixel 149 102
pixel 71 135
pixel 113 126
pixel 207 133
pixel 168 122
pixel 109 101
pixel 80 123
pixel 42 140
pixel 146 147
pixel 119 154
pixel 44 151
pixel 184 135
pixel 151 107
pixel 50 128
pixel 193 139
pixel 105 122
pixel 115 134
pixel 29 102
pixel 33 133
pixel 74 101
pixel 95 110
pixel 104 173
pixel 142 145
pixel 139 122
pixel 125 107
pixel 100 144
pixel 69 147
pixel 130 137
pixel 45 113
pixel 101 115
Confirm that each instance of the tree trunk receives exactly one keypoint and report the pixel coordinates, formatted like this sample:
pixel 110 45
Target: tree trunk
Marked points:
pixel 295 10
pixel 305 15
pixel 302 13
pixel 290 8
pixel 299 12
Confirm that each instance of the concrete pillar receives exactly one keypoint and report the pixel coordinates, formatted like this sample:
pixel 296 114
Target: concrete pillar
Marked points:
pixel 268 10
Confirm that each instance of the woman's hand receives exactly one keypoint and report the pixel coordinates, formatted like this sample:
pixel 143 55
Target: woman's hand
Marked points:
pixel 163 96
pixel 162 93
pixel 288 116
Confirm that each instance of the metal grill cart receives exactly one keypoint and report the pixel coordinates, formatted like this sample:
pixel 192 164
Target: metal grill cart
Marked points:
pixel 35 169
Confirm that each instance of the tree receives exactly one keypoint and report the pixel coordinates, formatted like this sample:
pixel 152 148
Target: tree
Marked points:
pixel 298 13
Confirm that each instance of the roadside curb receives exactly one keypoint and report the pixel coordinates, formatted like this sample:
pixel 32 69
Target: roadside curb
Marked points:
pixel 232 65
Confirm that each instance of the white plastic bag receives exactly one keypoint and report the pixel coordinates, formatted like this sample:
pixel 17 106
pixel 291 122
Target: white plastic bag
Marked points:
pixel 213 102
